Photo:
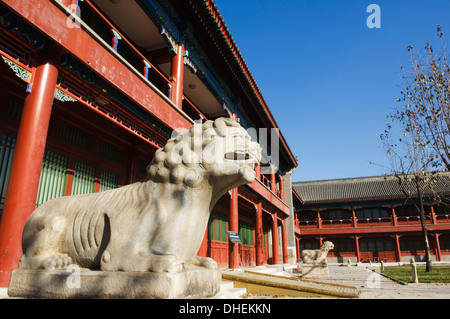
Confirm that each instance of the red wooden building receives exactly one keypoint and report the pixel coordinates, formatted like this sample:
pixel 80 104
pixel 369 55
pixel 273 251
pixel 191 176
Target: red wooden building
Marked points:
pixel 91 88
pixel 371 219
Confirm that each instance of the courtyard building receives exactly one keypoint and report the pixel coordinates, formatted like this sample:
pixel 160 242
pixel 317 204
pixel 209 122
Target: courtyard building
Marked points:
pixel 370 219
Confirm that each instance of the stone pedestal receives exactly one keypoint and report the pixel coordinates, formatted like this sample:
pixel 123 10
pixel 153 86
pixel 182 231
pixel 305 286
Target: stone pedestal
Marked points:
pixel 192 282
pixel 314 271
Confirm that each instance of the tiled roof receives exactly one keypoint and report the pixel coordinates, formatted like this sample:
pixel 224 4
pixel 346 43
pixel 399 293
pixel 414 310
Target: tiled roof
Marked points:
pixel 376 187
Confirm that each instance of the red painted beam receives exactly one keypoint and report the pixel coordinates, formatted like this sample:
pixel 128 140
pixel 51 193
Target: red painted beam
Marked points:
pixel 52 21
pixel 270 196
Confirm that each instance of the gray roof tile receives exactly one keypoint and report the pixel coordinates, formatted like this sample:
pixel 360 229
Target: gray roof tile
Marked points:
pixel 375 187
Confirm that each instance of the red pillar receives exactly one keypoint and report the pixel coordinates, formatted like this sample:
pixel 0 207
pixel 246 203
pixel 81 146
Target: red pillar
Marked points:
pixel 70 174
pixel 234 227
pixel 258 171
pixel 397 247
pixel 203 250
pixel 282 188
pixel 284 243
pixel 432 215
pixel 297 247
pixel 273 180
pixel 438 247
pixel 259 243
pixel 319 220
pixel 23 184
pixel 358 252
pixel 176 77
pixel 394 217
pixel 354 220
pixel 275 254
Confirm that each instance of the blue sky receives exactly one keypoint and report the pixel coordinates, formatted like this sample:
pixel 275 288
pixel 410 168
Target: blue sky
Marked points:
pixel 328 79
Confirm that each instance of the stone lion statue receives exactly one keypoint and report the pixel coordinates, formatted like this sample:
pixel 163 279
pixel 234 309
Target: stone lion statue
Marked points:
pixel 153 225
pixel 317 256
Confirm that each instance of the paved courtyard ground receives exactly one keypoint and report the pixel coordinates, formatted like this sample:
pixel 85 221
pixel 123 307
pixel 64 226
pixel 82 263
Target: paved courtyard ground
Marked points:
pixel 375 286
pixel 371 284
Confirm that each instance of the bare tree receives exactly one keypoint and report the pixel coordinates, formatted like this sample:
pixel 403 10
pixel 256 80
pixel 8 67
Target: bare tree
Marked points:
pixel 426 100
pixel 423 147
pixel 410 165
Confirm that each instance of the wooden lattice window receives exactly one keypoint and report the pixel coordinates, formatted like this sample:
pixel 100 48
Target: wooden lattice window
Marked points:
pixel 7 145
pixel 53 180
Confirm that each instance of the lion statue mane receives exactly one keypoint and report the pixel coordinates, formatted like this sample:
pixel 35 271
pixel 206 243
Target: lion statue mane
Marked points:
pixel 157 224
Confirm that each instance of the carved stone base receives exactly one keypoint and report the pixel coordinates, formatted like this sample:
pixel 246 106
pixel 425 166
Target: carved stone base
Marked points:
pixel 193 282
pixel 314 271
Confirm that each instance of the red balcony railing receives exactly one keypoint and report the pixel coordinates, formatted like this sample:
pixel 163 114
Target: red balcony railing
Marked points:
pixel 337 223
pixel 373 222
pixel 306 224
pixel 120 43
pixel 412 220
pixel 441 219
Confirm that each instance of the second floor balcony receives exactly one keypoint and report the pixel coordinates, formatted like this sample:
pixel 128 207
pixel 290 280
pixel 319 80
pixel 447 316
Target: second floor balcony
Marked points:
pixel 149 51
pixel 310 220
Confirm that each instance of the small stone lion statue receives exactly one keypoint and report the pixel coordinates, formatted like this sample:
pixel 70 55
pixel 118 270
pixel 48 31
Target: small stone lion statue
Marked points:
pixel 317 256
pixel 157 224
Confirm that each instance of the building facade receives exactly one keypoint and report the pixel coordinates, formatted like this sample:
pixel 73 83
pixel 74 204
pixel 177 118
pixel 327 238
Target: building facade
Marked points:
pixel 92 88
pixel 371 219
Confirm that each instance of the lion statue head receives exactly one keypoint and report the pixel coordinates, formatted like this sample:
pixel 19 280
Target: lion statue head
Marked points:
pixel 220 152
pixel 327 246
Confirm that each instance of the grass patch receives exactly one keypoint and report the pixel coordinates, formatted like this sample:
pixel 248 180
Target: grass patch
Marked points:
pixel 440 274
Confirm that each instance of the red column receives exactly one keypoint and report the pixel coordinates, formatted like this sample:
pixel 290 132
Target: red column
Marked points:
pixel 234 227
pixel 397 247
pixel 23 184
pixel 275 254
pixel 438 247
pixel 319 220
pixel 432 215
pixel 259 243
pixel 282 188
pixel 394 217
pixel 358 252
pixel 284 243
pixel 176 77
pixel 132 165
pixel 354 220
pixel 70 174
pixel 272 178
pixel 258 172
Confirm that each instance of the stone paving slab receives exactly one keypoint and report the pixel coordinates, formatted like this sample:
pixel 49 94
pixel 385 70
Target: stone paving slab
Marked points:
pixel 375 286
